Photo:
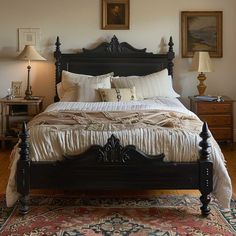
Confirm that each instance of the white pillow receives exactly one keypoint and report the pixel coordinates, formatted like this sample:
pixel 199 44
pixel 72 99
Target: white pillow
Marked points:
pixel 69 79
pixel 73 83
pixel 60 90
pixel 117 94
pixel 148 86
pixel 87 90
pixel 70 95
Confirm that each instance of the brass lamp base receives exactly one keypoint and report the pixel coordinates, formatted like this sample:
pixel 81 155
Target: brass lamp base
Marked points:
pixel 28 91
pixel 201 86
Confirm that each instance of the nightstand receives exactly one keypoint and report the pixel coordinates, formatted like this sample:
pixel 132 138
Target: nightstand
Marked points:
pixel 218 115
pixel 13 113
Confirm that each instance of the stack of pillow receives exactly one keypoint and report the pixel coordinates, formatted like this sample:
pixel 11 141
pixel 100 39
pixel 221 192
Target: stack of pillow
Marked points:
pixel 87 88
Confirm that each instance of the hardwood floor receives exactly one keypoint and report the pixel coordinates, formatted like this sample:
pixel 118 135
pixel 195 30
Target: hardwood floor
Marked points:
pixel 228 150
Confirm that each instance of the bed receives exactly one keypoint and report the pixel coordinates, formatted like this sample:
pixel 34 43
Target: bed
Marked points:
pixel 114 163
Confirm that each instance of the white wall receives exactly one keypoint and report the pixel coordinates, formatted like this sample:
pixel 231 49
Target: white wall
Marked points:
pixel 77 22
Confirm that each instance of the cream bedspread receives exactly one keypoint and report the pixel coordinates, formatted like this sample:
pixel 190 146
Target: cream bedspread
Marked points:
pixel 154 126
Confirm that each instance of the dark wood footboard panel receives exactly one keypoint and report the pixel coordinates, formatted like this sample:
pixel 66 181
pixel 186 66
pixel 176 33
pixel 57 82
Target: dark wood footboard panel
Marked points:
pixel 157 176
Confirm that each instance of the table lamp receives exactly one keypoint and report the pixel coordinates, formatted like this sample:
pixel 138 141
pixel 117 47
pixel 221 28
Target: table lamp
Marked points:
pixel 201 63
pixel 29 53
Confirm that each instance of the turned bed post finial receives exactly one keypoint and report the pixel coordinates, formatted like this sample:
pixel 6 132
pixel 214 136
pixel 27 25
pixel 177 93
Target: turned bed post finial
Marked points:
pixel 206 170
pixel 170 57
pixel 24 144
pixel 23 171
pixel 204 144
pixel 57 56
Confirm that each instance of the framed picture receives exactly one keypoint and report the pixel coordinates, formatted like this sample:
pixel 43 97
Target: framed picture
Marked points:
pixel 201 31
pixel 16 88
pixel 115 14
pixel 29 36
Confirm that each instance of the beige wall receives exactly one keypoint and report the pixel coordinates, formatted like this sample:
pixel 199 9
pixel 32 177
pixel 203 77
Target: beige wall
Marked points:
pixel 77 22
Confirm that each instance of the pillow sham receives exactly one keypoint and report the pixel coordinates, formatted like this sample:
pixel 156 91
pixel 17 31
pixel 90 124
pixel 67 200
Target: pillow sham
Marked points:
pixel 69 79
pixel 117 94
pixel 60 90
pixel 148 86
pixel 74 86
pixel 87 91
pixel 70 95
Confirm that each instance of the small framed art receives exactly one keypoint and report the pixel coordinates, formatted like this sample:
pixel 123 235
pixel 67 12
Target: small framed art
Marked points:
pixel 16 88
pixel 201 31
pixel 29 36
pixel 115 14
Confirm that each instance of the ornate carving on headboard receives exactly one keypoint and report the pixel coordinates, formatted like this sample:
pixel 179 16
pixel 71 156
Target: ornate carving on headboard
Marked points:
pixel 114 47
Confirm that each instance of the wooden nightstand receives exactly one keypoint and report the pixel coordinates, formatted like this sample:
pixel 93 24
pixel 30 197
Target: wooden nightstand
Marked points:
pixel 218 115
pixel 13 113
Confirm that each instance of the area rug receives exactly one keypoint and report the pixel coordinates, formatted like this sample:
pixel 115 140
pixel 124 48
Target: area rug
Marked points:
pixel 71 216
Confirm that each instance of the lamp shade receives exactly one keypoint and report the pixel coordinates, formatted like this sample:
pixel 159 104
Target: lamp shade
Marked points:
pixel 30 53
pixel 201 62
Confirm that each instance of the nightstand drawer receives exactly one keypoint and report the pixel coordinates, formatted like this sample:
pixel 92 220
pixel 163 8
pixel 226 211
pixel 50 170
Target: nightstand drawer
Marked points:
pixel 217 120
pixel 222 133
pixel 214 108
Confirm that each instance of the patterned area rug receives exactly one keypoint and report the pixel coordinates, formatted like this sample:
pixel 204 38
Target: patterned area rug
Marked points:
pixel 164 215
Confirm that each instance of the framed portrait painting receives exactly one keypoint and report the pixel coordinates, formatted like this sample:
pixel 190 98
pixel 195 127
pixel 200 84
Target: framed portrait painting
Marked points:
pixel 115 14
pixel 201 31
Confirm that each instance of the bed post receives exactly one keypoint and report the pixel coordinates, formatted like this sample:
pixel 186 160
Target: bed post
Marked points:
pixel 57 56
pixel 205 172
pixel 23 171
pixel 170 57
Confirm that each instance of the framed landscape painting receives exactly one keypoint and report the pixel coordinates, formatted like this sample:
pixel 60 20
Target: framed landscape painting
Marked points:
pixel 115 14
pixel 201 31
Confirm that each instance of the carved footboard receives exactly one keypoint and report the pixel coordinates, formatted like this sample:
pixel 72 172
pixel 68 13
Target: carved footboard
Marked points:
pixel 113 166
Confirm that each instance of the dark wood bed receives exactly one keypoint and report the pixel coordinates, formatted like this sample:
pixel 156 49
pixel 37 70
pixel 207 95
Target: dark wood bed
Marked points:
pixel 114 166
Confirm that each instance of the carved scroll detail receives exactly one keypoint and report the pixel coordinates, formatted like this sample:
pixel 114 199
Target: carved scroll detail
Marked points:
pixel 115 47
pixel 113 151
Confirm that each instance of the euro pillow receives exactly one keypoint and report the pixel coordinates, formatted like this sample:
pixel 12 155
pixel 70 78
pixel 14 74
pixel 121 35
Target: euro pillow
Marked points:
pixel 117 94
pixel 73 86
pixel 158 84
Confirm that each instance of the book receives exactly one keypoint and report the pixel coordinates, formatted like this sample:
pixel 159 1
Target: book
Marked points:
pixel 209 98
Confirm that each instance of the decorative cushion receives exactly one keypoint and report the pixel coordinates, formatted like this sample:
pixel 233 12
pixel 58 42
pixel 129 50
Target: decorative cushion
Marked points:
pixel 148 86
pixel 117 94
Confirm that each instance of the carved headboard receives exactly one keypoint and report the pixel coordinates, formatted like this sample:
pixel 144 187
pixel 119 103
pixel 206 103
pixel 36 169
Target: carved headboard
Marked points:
pixel 120 58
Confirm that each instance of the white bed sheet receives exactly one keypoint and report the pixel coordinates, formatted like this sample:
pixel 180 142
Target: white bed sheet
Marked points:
pixel 177 146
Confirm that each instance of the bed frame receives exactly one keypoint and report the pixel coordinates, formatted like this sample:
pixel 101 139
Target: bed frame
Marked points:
pixel 114 166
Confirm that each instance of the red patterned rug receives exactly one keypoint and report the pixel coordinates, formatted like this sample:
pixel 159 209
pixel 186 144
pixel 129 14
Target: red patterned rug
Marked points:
pixel 163 215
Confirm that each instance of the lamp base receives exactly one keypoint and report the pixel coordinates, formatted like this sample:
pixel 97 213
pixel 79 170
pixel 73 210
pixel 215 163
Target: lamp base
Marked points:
pixel 28 93
pixel 201 86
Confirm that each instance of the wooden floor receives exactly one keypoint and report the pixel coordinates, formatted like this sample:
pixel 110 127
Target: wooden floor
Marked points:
pixel 228 150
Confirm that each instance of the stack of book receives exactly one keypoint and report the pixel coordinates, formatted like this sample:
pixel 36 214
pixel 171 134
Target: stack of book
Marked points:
pixel 209 98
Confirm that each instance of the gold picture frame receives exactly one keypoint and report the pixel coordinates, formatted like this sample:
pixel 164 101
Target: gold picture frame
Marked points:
pixel 115 14
pixel 201 31
pixel 16 88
